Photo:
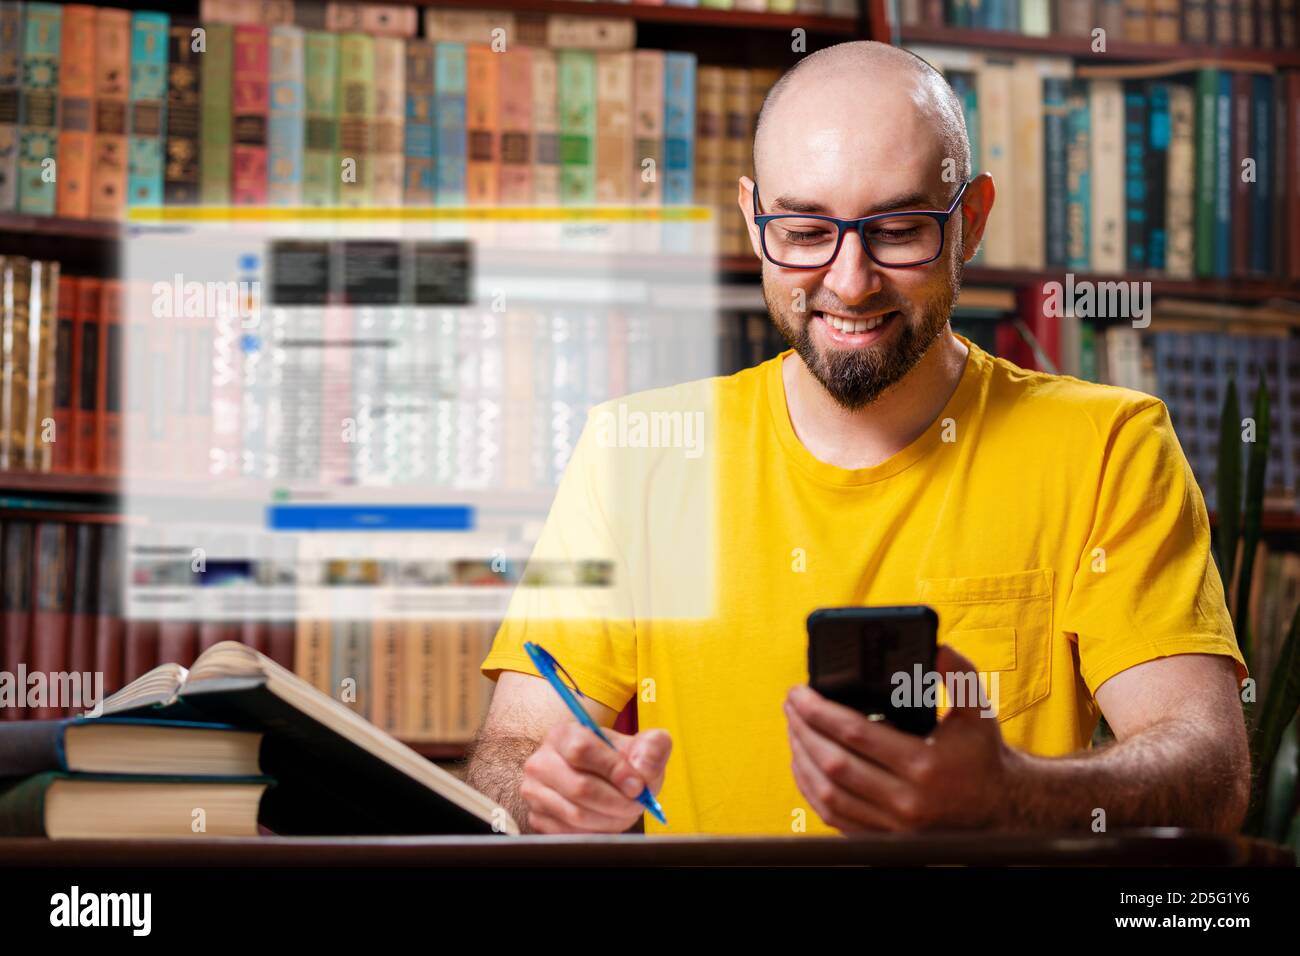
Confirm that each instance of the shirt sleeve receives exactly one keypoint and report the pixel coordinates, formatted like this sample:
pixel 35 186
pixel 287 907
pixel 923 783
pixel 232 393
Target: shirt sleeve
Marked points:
pixel 1147 585
pixel 588 628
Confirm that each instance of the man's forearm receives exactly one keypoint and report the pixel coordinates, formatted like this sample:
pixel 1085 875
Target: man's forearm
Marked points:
pixel 496 769
pixel 1172 774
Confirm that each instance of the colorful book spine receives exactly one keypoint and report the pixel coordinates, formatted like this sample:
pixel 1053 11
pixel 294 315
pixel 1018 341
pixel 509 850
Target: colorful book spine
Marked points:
pixel 148 109
pixel 1225 173
pixel 63 457
pixel 89 345
pixel 648 126
pixel 250 103
pixel 710 106
pixel 1107 180
pixel 577 87
pixel 420 183
pixel 1135 176
pixel 1243 236
pixel 737 151
pixel 44 317
pixel 356 110
pixel 546 128
pixel 613 138
pixel 320 161
pixel 184 65
pixel 449 96
pixel 1262 198
pixel 112 95
pixel 1078 203
pixel 482 126
pixel 76 111
pixel 994 89
pixel 1056 121
pixel 679 128
pixel 1180 204
pixel 1207 111
pixel 217 68
pixel 390 109
pixel 286 109
pixel 515 110
pixel 1156 170
pixel 11 73
pixel 39 122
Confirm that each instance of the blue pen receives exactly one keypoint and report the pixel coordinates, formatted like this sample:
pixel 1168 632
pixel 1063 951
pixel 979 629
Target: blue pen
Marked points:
pixel 547 666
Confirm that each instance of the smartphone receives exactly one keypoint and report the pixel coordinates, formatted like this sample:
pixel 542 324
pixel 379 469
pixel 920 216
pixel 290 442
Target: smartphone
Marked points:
pixel 873 659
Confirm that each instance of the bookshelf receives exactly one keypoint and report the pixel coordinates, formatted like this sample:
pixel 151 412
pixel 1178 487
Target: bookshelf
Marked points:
pixel 1080 48
pixel 722 37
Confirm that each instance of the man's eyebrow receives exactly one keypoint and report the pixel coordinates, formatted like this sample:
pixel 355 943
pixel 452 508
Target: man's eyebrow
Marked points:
pixel 913 200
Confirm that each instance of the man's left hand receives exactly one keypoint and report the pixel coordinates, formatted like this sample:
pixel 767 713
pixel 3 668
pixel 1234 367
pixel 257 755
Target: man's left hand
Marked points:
pixel 860 774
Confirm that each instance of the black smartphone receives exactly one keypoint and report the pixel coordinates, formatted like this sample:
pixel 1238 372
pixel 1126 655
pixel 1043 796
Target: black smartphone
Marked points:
pixel 876 660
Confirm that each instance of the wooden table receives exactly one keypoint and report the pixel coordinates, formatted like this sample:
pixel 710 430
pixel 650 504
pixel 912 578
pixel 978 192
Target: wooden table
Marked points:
pixel 1141 847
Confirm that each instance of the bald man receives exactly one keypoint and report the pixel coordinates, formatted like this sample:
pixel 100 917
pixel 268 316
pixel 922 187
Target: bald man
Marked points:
pixel 1053 524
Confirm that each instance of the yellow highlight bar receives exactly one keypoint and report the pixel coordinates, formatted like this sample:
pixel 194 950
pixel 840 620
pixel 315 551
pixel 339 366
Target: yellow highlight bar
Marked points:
pixel 418 214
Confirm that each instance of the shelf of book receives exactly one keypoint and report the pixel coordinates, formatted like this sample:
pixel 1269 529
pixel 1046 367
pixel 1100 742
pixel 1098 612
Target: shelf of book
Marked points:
pixel 1080 48
pixel 658 13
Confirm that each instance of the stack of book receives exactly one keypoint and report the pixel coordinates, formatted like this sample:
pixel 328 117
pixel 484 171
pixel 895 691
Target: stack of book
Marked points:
pixel 128 777
pixel 227 746
pixel 1181 169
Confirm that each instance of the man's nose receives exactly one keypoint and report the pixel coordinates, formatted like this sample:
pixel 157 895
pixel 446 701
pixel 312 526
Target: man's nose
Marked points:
pixel 853 277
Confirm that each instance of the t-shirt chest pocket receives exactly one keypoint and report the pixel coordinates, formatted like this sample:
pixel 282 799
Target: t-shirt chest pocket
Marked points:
pixel 1003 624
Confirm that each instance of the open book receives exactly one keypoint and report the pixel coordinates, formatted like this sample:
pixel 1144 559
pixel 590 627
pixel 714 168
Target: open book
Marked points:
pixel 335 772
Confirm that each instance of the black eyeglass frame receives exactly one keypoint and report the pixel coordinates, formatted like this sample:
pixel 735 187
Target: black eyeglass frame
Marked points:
pixel 858 225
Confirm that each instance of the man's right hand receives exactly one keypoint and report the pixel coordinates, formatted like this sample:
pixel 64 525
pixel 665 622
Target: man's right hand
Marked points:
pixel 573 783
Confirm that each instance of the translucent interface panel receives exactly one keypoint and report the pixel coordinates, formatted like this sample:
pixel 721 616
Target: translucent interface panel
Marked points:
pixel 370 419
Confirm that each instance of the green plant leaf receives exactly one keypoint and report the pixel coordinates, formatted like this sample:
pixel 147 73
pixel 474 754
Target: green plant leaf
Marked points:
pixel 1228 486
pixel 1279 710
pixel 1256 469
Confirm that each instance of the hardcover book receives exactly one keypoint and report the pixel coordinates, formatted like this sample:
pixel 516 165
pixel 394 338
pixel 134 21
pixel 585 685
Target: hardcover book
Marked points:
pixel 39 120
pixel 148 116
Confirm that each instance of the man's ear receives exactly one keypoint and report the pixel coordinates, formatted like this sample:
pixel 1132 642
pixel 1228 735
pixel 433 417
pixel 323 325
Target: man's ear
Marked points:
pixel 975 208
pixel 745 199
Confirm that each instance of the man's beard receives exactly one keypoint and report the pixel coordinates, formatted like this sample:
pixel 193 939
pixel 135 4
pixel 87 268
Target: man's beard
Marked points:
pixel 855 378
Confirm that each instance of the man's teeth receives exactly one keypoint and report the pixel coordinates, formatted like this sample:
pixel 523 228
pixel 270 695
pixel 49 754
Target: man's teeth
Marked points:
pixel 854 325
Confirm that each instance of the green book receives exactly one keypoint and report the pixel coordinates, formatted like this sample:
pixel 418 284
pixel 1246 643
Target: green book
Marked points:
pixel 39 124
pixel 216 66
pixel 1207 90
pixel 356 111
pixel 320 163
pixel 104 805
pixel 577 89
pixel 11 79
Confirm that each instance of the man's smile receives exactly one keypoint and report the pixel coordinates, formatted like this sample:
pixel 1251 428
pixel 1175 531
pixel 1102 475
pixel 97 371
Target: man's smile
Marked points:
pixel 853 331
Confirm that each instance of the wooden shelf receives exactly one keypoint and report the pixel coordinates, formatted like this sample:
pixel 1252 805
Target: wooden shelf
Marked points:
pixel 57 484
pixel 60 226
pixel 1080 48
pixel 656 13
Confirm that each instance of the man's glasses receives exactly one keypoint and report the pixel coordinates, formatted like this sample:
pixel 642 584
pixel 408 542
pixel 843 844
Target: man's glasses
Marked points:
pixel 896 240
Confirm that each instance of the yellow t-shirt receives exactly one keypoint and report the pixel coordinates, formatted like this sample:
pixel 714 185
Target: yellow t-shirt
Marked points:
pixel 1053 524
